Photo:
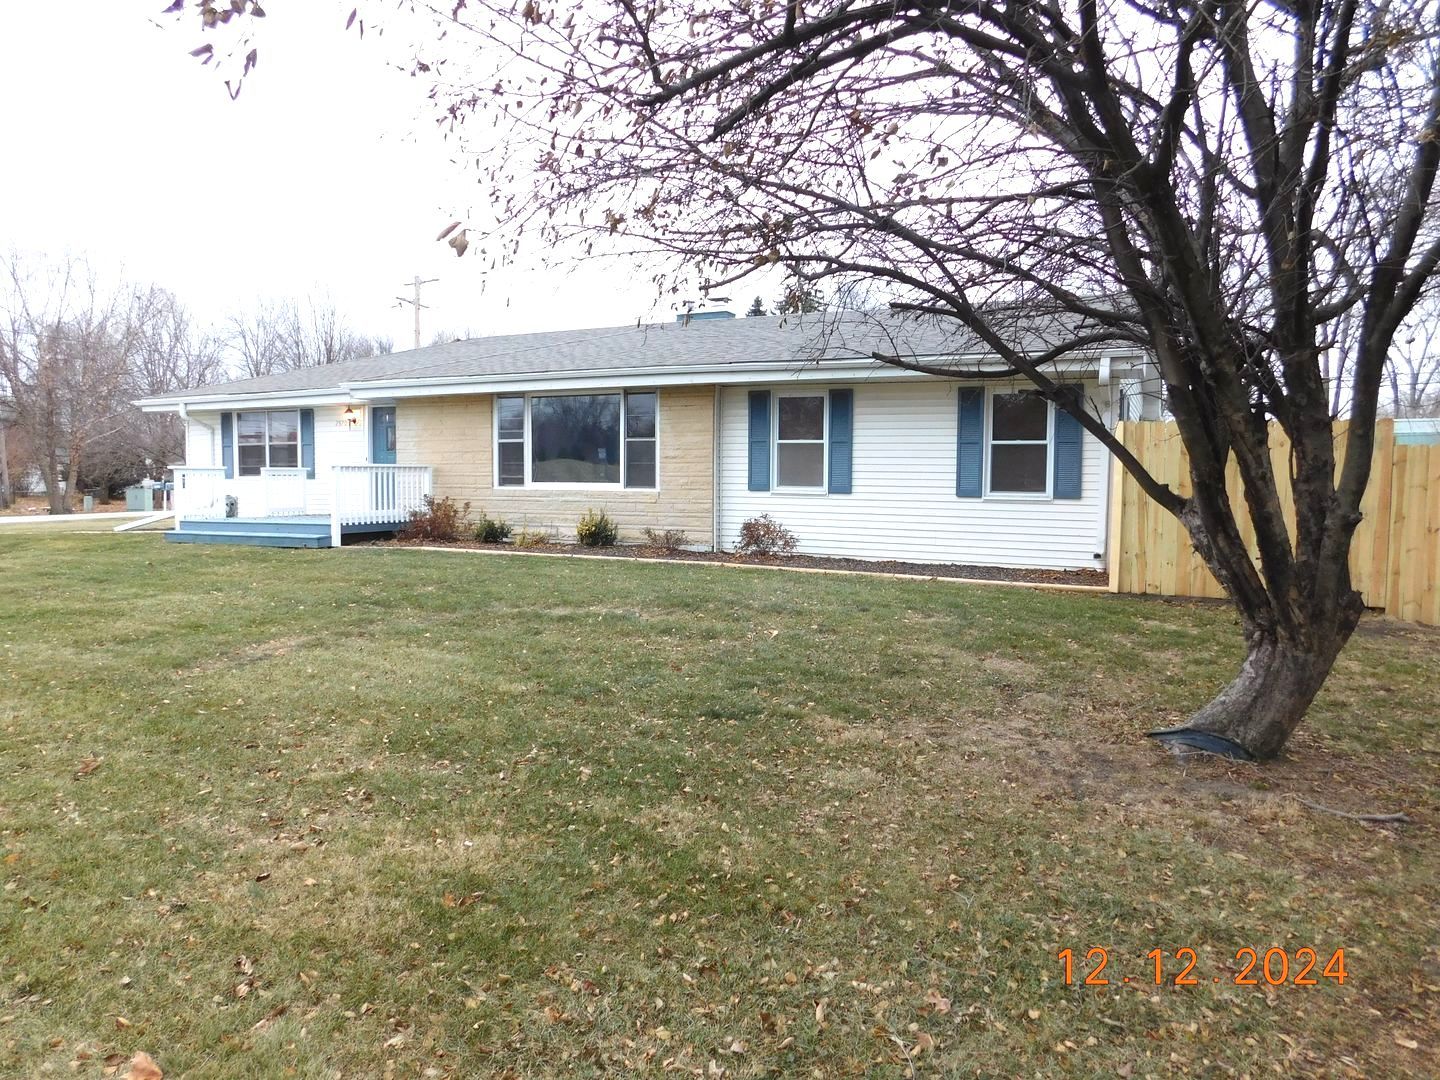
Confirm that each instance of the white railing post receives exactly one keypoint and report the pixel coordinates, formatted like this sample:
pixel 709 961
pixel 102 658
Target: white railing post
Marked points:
pixel 335 530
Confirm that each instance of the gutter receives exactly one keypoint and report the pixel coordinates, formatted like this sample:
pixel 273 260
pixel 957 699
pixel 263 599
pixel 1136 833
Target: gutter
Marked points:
pixel 370 390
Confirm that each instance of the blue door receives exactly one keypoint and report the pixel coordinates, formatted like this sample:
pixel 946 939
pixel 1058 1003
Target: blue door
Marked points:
pixel 383 488
pixel 382 437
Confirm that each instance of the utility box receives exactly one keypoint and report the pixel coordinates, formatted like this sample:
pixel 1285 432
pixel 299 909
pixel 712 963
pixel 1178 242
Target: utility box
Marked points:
pixel 139 498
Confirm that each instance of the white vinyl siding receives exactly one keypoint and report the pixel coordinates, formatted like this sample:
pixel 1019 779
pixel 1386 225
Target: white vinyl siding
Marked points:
pixel 335 442
pixel 903 505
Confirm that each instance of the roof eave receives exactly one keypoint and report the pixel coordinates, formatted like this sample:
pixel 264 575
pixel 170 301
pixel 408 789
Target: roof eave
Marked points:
pixel 370 390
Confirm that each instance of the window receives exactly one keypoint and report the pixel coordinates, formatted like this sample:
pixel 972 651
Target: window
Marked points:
pixel 640 440
pixel 266 440
pixel 800 441
pixel 1019 443
pixel 510 441
pixel 576 439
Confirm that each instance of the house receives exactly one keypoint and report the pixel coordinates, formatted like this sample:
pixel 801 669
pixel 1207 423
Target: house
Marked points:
pixel 697 426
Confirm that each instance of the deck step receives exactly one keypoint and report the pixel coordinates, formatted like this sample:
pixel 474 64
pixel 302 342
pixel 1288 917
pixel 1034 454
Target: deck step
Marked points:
pixel 253 525
pixel 255 539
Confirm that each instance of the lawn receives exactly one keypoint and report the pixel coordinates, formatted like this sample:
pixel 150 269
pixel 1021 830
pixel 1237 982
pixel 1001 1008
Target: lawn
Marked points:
pixel 386 812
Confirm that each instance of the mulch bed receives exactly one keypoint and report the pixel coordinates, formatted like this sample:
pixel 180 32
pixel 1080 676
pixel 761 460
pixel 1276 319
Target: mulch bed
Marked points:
pixel 1095 578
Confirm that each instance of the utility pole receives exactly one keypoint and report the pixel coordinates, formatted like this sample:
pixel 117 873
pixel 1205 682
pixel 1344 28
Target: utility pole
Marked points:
pixel 416 284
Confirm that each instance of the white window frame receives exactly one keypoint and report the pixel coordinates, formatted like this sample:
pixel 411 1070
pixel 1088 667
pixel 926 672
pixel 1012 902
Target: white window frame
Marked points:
pixel 991 394
pixel 824 442
pixel 524 441
pixel 541 485
pixel 267 413
pixel 626 440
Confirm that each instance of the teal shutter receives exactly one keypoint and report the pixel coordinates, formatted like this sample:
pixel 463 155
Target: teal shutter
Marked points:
pixel 1069 440
pixel 842 421
pixel 227 444
pixel 759 440
pixel 307 442
pixel 970 444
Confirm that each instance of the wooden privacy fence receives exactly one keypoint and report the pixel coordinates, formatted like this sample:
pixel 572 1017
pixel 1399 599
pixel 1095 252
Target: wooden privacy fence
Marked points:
pixel 1395 557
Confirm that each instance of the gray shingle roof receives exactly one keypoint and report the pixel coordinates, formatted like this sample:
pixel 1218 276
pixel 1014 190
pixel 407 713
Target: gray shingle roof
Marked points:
pixel 775 340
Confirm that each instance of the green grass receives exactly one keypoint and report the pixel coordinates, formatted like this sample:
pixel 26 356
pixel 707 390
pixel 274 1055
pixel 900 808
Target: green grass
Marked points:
pixel 382 811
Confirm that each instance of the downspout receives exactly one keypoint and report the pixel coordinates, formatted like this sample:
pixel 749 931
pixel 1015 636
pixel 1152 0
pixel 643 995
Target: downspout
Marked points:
pixel 715 469
pixel 1102 542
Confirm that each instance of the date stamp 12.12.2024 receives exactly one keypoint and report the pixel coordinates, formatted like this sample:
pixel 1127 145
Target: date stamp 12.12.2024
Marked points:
pixel 1182 967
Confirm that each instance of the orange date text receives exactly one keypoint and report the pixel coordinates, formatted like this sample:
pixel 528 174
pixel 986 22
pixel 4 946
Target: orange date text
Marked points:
pixel 1181 967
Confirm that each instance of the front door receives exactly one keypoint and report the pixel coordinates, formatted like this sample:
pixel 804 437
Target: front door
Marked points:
pixel 382 437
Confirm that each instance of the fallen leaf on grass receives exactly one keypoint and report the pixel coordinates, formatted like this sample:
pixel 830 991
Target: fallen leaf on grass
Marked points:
pixel 88 764
pixel 270 1017
pixel 12 858
pixel 143 1067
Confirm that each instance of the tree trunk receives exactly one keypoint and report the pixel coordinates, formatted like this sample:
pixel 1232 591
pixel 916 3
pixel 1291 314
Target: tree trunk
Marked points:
pixel 59 496
pixel 1296 619
pixel 1260 708
pixel 1266 701
pixel 5 497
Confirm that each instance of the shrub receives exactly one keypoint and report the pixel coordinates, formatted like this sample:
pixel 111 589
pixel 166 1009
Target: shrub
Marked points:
pixel 528 538
pixel 764 535
pixel 597 529
pixel 490 530
pixel 442 519
pixel 669 539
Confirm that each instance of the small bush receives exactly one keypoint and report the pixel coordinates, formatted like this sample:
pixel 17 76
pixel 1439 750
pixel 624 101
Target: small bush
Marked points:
pixel 597 529
pixel 764 535
pixel 669 539
pixel 490 530
pixel 528 538
pixel 442 519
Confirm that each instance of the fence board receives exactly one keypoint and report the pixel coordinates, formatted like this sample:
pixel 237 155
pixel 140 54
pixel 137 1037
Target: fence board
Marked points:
pixel 1395 555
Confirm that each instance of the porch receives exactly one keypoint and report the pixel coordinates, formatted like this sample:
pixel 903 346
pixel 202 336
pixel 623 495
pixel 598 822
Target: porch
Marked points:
pixel 285 507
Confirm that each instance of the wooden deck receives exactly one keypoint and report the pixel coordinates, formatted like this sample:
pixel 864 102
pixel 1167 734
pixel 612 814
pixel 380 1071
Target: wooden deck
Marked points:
pixel 292 531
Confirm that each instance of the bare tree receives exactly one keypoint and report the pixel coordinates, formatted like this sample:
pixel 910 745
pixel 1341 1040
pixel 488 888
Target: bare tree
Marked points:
pixel 170 353
pixel 74 354
pixel 1413 368
pixel 260 340
pixel 282 335
pixel 1210 182
pixel 64 349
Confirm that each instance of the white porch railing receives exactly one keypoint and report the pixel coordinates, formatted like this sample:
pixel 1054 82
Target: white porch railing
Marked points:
pixel 284 491
pixel 376 494
pixel 199 493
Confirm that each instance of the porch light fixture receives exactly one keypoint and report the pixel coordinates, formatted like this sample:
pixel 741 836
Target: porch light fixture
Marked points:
pixel 351 417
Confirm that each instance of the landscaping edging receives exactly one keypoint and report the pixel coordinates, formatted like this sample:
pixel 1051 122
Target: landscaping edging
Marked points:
pixel 891 575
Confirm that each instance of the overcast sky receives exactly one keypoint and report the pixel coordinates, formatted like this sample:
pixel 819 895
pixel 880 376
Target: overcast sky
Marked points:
pixel 327 176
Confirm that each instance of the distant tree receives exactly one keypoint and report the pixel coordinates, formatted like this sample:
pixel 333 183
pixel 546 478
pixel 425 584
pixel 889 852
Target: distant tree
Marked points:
pixel 1413 368
pixel 170 353
pixel 65 348
pixel 283 335
pixel 445 337
pixel 757 308
pixel 800 298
